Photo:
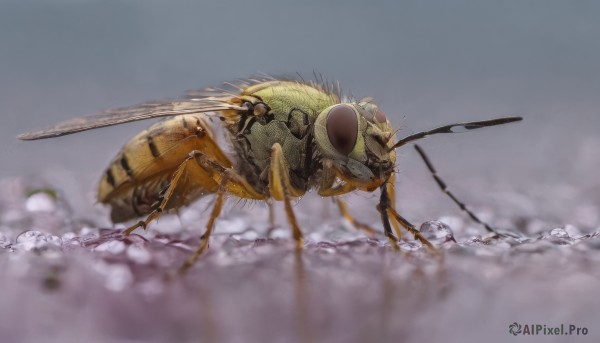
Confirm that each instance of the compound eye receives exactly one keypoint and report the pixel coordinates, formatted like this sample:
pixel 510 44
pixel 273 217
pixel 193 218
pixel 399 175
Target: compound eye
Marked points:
pixel 342 128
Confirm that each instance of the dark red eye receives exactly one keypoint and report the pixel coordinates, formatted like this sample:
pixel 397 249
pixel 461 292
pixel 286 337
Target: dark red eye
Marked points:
pixel 380 117
pixel 342 128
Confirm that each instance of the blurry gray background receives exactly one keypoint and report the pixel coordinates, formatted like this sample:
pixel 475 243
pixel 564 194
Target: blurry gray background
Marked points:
pixel 427 63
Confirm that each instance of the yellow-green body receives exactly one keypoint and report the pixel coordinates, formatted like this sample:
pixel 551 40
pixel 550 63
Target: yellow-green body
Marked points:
pixel 286 137
pixel 287 113
pixel 293 109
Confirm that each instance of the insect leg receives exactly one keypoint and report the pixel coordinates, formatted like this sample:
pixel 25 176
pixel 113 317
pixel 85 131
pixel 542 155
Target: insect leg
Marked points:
pixel 272 227
pixel 445 189
pixel 387 210
pixel 384 204
pixel 271 214
pixel 391 194
pixel 211 170
pixel 230 182
pixel 281 188
pixel 165 198
pixel 233 182
pixel 327 188
pixel 361 226
pixel 216 211
pixel 410 228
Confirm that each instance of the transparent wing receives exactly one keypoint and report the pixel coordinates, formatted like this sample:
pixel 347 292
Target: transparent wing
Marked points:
pixel 146 110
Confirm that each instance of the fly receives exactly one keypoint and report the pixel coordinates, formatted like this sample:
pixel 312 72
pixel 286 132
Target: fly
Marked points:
pixel 287 138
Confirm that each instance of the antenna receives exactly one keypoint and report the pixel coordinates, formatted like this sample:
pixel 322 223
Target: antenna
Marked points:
pixel 454 128
pixel 445 189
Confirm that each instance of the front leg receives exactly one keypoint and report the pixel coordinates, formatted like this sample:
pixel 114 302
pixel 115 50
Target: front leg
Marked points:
pixel 328 188
pixel 391 195
pixel 349 217
pixel 382 207
pixel 386 209
pixel 281 188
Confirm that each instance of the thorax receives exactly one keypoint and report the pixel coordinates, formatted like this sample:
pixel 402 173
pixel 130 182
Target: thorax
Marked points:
pixel 279 112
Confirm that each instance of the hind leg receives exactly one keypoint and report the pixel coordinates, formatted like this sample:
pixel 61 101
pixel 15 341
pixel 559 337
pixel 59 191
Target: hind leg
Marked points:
pixel 208 174
pixel 214 214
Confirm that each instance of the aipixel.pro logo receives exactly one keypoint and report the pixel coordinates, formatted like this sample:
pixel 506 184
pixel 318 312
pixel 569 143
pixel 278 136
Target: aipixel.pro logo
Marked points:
pixel 546 330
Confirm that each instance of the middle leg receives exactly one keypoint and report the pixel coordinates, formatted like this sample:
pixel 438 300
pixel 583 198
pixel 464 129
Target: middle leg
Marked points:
pixel 281 188
pixel 361 226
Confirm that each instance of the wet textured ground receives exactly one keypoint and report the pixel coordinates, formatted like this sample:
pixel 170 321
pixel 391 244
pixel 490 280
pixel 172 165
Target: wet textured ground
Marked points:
pixel 426 63
pixel 64 280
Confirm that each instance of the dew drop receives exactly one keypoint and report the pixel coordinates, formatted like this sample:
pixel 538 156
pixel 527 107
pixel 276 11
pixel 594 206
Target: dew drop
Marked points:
pixel 36 240
pixel 117 276
pixel 4 241
pixel 138 254
pixel 410 245
pixel 559 233
pixel 113 247
pixel 249 235
pixel 572 231
pixel 40 202
pixel 437 232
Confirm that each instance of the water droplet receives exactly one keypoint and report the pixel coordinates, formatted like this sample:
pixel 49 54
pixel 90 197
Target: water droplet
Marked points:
pixel 112 247
pixel 557 236
pixel 437 232
pixel 86 231
pixel 283 233
pixel 68 236
pixel 233 226
pixel 36 240
pixel 249 235
pixel 138 254
pixel 40 202
pixel 559 233
pixel 4 241
pixel 573 231
pixel 117 276
pixel 410 245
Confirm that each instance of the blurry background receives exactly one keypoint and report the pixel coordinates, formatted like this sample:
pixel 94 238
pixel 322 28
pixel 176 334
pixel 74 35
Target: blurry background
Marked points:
pixel 427 63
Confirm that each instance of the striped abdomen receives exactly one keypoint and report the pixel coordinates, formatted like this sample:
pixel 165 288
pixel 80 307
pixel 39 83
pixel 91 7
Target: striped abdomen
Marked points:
pixel 133 183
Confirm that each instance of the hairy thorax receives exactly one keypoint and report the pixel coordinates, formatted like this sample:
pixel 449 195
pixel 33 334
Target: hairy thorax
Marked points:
pixel 281 112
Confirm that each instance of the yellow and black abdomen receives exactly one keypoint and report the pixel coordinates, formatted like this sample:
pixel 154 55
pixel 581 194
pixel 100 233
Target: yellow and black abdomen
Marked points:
pixel 136 178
